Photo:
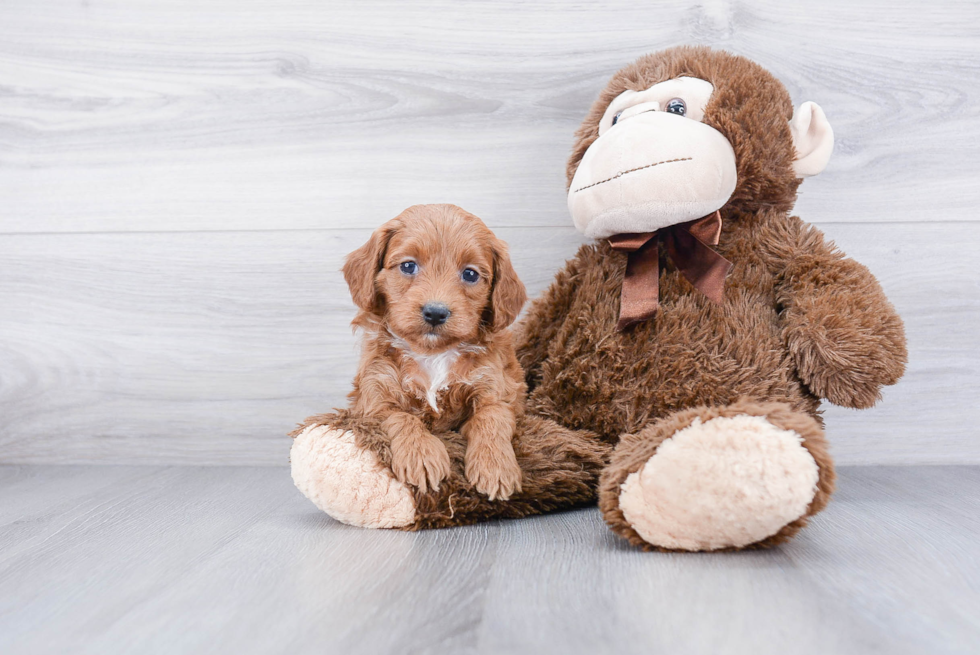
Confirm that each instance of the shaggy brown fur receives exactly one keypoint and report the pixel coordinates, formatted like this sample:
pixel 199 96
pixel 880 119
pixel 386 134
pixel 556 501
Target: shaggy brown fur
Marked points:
pixel 799 322
pixel 481 390
pixel 765 342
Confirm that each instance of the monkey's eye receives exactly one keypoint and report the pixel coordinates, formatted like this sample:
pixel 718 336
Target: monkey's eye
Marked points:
pixel 676 106
pixel 408 268
pixel 470 275
pixel 616 117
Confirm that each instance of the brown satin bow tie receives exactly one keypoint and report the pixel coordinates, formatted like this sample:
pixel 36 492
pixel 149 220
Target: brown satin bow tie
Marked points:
pixel 688 246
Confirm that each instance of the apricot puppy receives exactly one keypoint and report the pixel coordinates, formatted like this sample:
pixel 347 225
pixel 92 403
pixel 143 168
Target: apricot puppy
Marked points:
pixel 436 292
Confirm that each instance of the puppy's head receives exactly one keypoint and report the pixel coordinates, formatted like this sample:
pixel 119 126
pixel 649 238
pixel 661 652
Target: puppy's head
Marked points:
pixel 435 276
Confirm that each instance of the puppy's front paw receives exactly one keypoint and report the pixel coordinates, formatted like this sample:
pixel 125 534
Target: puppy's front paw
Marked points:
pixel 493 471
pixel 422 461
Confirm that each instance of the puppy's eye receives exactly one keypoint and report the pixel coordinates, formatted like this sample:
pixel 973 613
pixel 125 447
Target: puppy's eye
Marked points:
pixel 409 268
pixel 616 117
pixel 676 106
pixel 470 276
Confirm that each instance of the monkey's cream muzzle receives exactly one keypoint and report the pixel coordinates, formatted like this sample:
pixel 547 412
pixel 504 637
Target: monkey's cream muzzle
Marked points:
pixel 650 170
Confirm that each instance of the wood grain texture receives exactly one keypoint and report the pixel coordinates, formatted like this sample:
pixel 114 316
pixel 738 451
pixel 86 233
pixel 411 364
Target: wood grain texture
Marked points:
pixel 193 559
pixel 156 116
pixel 179 181
pixel 206 348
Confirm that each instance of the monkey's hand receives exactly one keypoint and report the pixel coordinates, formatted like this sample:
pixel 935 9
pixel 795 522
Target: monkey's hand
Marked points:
pixel 844 335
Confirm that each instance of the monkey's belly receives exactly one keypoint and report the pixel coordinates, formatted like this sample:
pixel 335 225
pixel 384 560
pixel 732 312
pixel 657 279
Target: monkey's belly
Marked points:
pixel 690 354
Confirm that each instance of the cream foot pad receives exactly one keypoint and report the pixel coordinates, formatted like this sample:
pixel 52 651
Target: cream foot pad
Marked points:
pixel 347 482
pixel 726 482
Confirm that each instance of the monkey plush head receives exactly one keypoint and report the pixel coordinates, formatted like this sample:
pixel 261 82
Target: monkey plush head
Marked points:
pixel 680 134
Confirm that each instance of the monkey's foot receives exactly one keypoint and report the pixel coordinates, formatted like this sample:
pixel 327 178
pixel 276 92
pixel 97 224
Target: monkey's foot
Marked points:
pixel 348 482
pixel 744 475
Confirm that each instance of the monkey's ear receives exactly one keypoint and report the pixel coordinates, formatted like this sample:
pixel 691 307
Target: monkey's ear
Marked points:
pixel 363 265
pixel 813 139
pixel 508 295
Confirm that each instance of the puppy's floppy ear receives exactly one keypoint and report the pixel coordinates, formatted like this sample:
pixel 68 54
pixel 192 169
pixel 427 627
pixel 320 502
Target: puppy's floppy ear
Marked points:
pixel 508 294
pixel 364 264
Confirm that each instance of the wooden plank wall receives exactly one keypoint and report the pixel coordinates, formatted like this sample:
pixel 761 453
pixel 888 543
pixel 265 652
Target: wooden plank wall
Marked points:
pixel 179 182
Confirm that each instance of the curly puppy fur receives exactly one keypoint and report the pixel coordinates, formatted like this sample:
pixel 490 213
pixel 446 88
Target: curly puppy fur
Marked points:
pixel 418 376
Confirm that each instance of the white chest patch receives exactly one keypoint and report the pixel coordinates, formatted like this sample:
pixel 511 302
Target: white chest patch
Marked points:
pixel 436 368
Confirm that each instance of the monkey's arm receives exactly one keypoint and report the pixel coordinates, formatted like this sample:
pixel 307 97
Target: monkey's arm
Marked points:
pixel 844 335
pixel 543 320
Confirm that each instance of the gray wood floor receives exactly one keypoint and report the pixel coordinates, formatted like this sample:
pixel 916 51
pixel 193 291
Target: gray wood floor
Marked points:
pixel 118 559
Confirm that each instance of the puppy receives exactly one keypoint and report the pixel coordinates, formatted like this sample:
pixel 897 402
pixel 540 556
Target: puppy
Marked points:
pixel 436 292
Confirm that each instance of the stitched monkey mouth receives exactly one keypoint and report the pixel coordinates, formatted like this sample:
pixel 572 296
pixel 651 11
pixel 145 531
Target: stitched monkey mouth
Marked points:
pixel 632 170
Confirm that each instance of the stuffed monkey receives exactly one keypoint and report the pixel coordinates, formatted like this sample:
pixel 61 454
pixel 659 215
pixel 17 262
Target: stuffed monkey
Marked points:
pixel 675 367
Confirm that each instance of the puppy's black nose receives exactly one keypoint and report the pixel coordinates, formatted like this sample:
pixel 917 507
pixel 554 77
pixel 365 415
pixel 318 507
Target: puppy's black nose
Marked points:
pixel 435 313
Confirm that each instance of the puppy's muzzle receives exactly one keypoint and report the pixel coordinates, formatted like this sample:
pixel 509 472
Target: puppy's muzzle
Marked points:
pixel 435 313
